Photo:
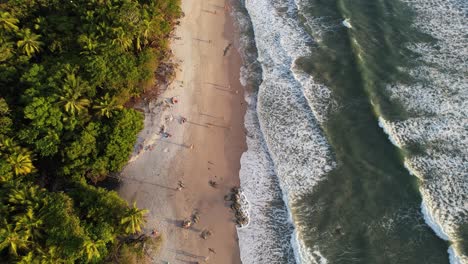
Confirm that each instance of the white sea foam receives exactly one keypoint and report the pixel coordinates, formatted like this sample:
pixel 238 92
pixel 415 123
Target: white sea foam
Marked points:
pixel 292 131
pixel 267 237
pixel 290 109
pixel 454 258
pixel 250 72
pixel 438 109
pixel 432 222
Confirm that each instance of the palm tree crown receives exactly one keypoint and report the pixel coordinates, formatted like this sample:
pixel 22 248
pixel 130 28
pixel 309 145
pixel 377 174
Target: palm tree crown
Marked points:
pixel 12 240
pixel 20 159
pixel 29 44
pixel 133 219
pixel 8 22
pixel 21 163
pixel 71 97
pixel 107 105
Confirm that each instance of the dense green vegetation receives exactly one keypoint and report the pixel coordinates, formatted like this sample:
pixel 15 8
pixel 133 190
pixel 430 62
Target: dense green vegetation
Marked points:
pixel 66 70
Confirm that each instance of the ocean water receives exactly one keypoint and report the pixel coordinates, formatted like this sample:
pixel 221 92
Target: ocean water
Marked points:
pixel 356 133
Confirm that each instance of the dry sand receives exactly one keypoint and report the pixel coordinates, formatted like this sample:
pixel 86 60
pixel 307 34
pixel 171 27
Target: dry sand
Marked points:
pixel 211 98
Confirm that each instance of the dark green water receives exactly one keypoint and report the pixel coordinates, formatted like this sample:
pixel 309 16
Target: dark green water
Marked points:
pixel 368 208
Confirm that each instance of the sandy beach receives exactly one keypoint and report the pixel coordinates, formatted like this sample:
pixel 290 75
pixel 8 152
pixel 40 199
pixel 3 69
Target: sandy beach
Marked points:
pixel 206 147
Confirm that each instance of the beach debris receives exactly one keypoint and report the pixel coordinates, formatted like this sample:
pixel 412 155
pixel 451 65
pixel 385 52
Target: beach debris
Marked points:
pixel 211 250
pixel 239 206
pixel 166 150
pixel 191 146
pixel 205 234
pixel 227 49
pixel 187 223
pixel 183 120
pixel 174 100
pixel 213 184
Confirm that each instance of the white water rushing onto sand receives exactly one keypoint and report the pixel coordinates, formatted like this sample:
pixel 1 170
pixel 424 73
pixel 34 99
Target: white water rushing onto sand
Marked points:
pixel 267 237
pixel 286 144
pixel 438 106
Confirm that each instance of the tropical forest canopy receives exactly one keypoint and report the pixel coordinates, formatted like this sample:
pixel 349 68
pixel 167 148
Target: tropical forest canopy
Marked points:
pixel 66 70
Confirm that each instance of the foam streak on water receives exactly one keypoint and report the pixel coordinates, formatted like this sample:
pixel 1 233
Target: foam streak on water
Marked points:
pixel 438 106
pixel 290 109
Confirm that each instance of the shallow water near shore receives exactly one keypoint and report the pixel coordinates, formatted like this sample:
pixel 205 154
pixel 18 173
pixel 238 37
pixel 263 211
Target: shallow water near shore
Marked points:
pixel 347 118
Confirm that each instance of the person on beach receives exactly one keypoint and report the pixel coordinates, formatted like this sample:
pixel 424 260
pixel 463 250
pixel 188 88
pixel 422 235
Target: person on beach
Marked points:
pixel 213 184
pixel 180 185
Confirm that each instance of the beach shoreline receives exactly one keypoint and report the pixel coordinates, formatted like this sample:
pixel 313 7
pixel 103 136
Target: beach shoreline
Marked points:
pixel 206 147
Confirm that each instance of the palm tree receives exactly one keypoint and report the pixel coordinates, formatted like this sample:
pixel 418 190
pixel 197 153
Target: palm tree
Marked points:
pixel 8 22
pixel 30 43
pixel 89 43
pixel 6 50
pixel 19 158
pixel 150 29
pixel 133 219
pixel 71 97
pixel 7 144
pixel 31 197
pixel 27 259
pixel 107 105
pixel 91 249
pixel 49 256
pixel 122 40
pixel 12 240
pixel 42 256
pixel 146 30
pixel 21 163
pixel 29 223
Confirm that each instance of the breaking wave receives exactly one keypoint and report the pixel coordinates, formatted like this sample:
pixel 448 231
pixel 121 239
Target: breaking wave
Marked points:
pixel 287 151
pixel 438 116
